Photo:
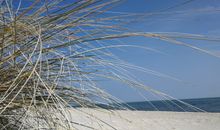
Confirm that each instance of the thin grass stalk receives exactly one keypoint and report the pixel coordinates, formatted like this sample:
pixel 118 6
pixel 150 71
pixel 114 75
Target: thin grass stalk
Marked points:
pixel 54 53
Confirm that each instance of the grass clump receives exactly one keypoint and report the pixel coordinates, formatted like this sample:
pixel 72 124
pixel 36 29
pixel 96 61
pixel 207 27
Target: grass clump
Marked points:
pixel 51 53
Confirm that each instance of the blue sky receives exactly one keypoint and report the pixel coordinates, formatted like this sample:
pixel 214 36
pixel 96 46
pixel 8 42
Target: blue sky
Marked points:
pixel 199 73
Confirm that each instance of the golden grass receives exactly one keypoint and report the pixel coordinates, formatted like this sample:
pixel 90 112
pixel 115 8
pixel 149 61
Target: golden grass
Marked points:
pixel 51 54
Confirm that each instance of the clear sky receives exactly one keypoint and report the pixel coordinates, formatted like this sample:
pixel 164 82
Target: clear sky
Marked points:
pixel 199 73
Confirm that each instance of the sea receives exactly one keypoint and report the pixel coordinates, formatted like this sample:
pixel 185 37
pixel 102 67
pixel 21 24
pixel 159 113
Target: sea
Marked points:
pixel 189 105
pixel 184 105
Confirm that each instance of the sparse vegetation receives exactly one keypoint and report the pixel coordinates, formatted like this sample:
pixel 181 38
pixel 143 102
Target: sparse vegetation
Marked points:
pixel 51 53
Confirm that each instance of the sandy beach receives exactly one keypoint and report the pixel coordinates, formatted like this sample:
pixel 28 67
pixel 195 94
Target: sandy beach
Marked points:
pixel 143 120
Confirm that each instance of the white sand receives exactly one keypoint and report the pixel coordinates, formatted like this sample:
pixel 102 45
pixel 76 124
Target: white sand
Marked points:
pixel 141 120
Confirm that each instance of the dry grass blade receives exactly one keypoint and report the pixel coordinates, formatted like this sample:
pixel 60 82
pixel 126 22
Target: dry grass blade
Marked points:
pixel 51 55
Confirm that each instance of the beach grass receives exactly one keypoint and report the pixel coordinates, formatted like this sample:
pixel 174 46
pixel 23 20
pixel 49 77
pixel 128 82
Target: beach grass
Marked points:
pixel 53 52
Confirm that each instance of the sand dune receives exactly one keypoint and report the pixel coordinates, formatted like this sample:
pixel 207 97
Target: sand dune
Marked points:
pixel 142 120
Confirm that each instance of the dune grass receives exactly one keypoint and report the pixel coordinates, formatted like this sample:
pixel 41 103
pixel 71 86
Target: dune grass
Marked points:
pixel 51 54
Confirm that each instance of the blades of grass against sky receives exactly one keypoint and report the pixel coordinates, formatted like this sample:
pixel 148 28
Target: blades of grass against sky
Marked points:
pixel 29 67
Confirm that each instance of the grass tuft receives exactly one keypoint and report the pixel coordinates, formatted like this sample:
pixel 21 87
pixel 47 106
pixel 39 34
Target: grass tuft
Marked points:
pixel 52 52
